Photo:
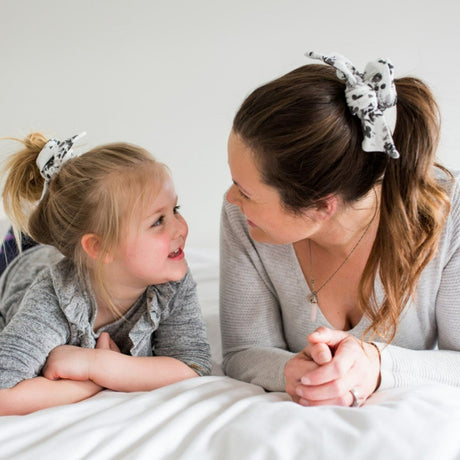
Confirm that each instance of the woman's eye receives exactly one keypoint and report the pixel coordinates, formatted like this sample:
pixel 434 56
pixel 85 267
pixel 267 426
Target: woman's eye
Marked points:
pixel 243 195
pixel 176 209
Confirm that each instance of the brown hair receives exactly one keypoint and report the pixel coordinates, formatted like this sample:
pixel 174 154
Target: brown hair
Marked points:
pixel 307 145
pixel 86 196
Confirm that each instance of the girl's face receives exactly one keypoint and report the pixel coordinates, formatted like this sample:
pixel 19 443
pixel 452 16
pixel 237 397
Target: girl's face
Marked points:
pixel 153 250
pixel 268 221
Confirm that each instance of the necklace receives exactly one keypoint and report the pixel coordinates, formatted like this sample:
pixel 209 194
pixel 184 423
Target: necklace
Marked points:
pixel 313 297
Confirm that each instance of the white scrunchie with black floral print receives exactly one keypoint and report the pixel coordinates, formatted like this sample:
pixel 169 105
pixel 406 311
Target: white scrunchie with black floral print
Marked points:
pixel 53 155
pixel 369 95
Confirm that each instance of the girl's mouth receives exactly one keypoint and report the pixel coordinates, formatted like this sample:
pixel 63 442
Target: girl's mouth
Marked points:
pixel 177 254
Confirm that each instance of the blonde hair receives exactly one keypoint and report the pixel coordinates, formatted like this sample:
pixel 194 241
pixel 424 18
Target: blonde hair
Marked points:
pixel 95 193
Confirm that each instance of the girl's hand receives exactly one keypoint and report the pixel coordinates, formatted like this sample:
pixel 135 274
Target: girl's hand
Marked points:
pixel 105 342
pixel 74 363
pixel 68 362
pixel 354 365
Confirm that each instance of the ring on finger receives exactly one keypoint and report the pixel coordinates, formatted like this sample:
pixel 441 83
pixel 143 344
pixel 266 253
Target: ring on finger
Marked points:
pixel 356 398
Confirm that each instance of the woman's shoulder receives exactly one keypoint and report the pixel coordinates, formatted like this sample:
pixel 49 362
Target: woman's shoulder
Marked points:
pixel 450 237
pixel 449 179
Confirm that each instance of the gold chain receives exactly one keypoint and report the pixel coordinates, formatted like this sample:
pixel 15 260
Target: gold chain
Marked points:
pixel 313 298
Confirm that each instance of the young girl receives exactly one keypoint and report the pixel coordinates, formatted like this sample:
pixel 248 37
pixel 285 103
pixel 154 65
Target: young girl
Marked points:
pixel 120 309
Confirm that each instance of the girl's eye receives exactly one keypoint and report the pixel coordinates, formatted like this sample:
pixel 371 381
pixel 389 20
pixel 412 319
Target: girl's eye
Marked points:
pixel 176 209
pixel 158 222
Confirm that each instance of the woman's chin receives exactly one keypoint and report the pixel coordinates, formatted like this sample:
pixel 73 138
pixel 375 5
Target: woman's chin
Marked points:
pixel 258 235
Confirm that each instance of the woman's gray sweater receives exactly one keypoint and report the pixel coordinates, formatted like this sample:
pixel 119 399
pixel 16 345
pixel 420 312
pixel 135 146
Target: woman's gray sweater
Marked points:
pixel 265 314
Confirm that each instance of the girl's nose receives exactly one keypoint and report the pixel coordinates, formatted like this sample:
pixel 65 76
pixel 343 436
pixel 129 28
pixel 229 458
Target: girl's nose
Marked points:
pixel 181 228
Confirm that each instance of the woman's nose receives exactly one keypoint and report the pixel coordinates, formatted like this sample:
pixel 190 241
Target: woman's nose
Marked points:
pixel 231 195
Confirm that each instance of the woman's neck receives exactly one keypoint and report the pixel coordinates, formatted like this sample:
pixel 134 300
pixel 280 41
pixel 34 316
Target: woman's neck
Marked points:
pixel 350 223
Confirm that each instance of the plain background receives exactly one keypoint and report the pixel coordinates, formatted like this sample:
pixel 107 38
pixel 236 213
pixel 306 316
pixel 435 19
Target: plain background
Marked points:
pixel 169 75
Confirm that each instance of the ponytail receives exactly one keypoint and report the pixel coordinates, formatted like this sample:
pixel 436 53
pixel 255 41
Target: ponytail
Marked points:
pixel 414 208
pixel 23 184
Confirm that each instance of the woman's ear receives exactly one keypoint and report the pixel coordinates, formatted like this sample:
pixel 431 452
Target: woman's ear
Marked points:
pixel 91 244
pixel 327 206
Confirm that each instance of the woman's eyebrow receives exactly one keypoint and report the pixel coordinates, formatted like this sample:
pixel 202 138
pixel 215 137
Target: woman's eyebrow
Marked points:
pixel 241 188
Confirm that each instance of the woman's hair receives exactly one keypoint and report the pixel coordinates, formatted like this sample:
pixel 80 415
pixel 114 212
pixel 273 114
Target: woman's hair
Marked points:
pixel 95 193
pixel 307 145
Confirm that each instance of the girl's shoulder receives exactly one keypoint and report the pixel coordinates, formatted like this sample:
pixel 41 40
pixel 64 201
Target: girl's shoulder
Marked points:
pixel 25 269
pixel 27 281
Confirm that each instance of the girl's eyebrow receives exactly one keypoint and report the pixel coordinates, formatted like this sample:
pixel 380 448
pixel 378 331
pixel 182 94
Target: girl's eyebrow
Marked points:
pixel 162 209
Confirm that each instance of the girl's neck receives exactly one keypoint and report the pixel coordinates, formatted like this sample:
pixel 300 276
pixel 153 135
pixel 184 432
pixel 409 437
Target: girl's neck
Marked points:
pixel 121 296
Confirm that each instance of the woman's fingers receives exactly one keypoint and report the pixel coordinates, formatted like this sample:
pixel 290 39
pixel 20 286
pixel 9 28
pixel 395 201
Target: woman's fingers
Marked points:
pixel 344 358
pixel 321 353
pixel 343 363
pixel 346 400
pixel 298 366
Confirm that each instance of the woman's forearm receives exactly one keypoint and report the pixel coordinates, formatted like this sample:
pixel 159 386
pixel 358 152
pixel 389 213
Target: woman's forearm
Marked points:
pixel 40 393
pixel 131 373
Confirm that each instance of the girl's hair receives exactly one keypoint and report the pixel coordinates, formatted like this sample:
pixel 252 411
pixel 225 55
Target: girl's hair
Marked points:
pixel 307 145
pixel 95 193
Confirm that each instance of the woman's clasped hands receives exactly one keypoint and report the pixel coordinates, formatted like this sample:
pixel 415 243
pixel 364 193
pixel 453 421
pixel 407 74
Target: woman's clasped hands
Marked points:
pixel 334 368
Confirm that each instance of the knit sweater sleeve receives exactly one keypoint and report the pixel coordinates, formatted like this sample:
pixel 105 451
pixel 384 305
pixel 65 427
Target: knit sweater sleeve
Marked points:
pixel 32 332
pixel 254 347
pixel 181 334
pixel 402 366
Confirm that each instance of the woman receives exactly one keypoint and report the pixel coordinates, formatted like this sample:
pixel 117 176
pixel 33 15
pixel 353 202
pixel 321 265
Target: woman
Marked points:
pixel 339 243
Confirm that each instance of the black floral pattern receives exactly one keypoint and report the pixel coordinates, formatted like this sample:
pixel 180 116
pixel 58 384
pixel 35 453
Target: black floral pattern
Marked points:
pixel 53 155
pixel 369 95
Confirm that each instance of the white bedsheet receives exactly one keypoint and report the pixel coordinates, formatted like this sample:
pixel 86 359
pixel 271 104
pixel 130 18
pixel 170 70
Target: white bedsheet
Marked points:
pixel 221 418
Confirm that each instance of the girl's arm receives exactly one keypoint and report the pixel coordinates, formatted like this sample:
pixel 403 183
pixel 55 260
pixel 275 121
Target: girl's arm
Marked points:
pixel 114 370
pixel 40 393
pixel 179 344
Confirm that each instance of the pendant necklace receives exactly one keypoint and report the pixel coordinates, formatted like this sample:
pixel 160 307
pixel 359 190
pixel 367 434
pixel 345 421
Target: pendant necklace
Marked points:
pixel 313 297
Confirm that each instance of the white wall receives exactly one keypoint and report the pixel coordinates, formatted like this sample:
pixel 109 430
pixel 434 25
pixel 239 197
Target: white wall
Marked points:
pixel 169 75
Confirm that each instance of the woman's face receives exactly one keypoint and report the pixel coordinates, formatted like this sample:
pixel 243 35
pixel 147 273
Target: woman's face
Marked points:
pixel 268 221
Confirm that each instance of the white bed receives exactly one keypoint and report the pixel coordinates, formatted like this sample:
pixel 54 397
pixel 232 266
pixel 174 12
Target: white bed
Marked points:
pixel 220 418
